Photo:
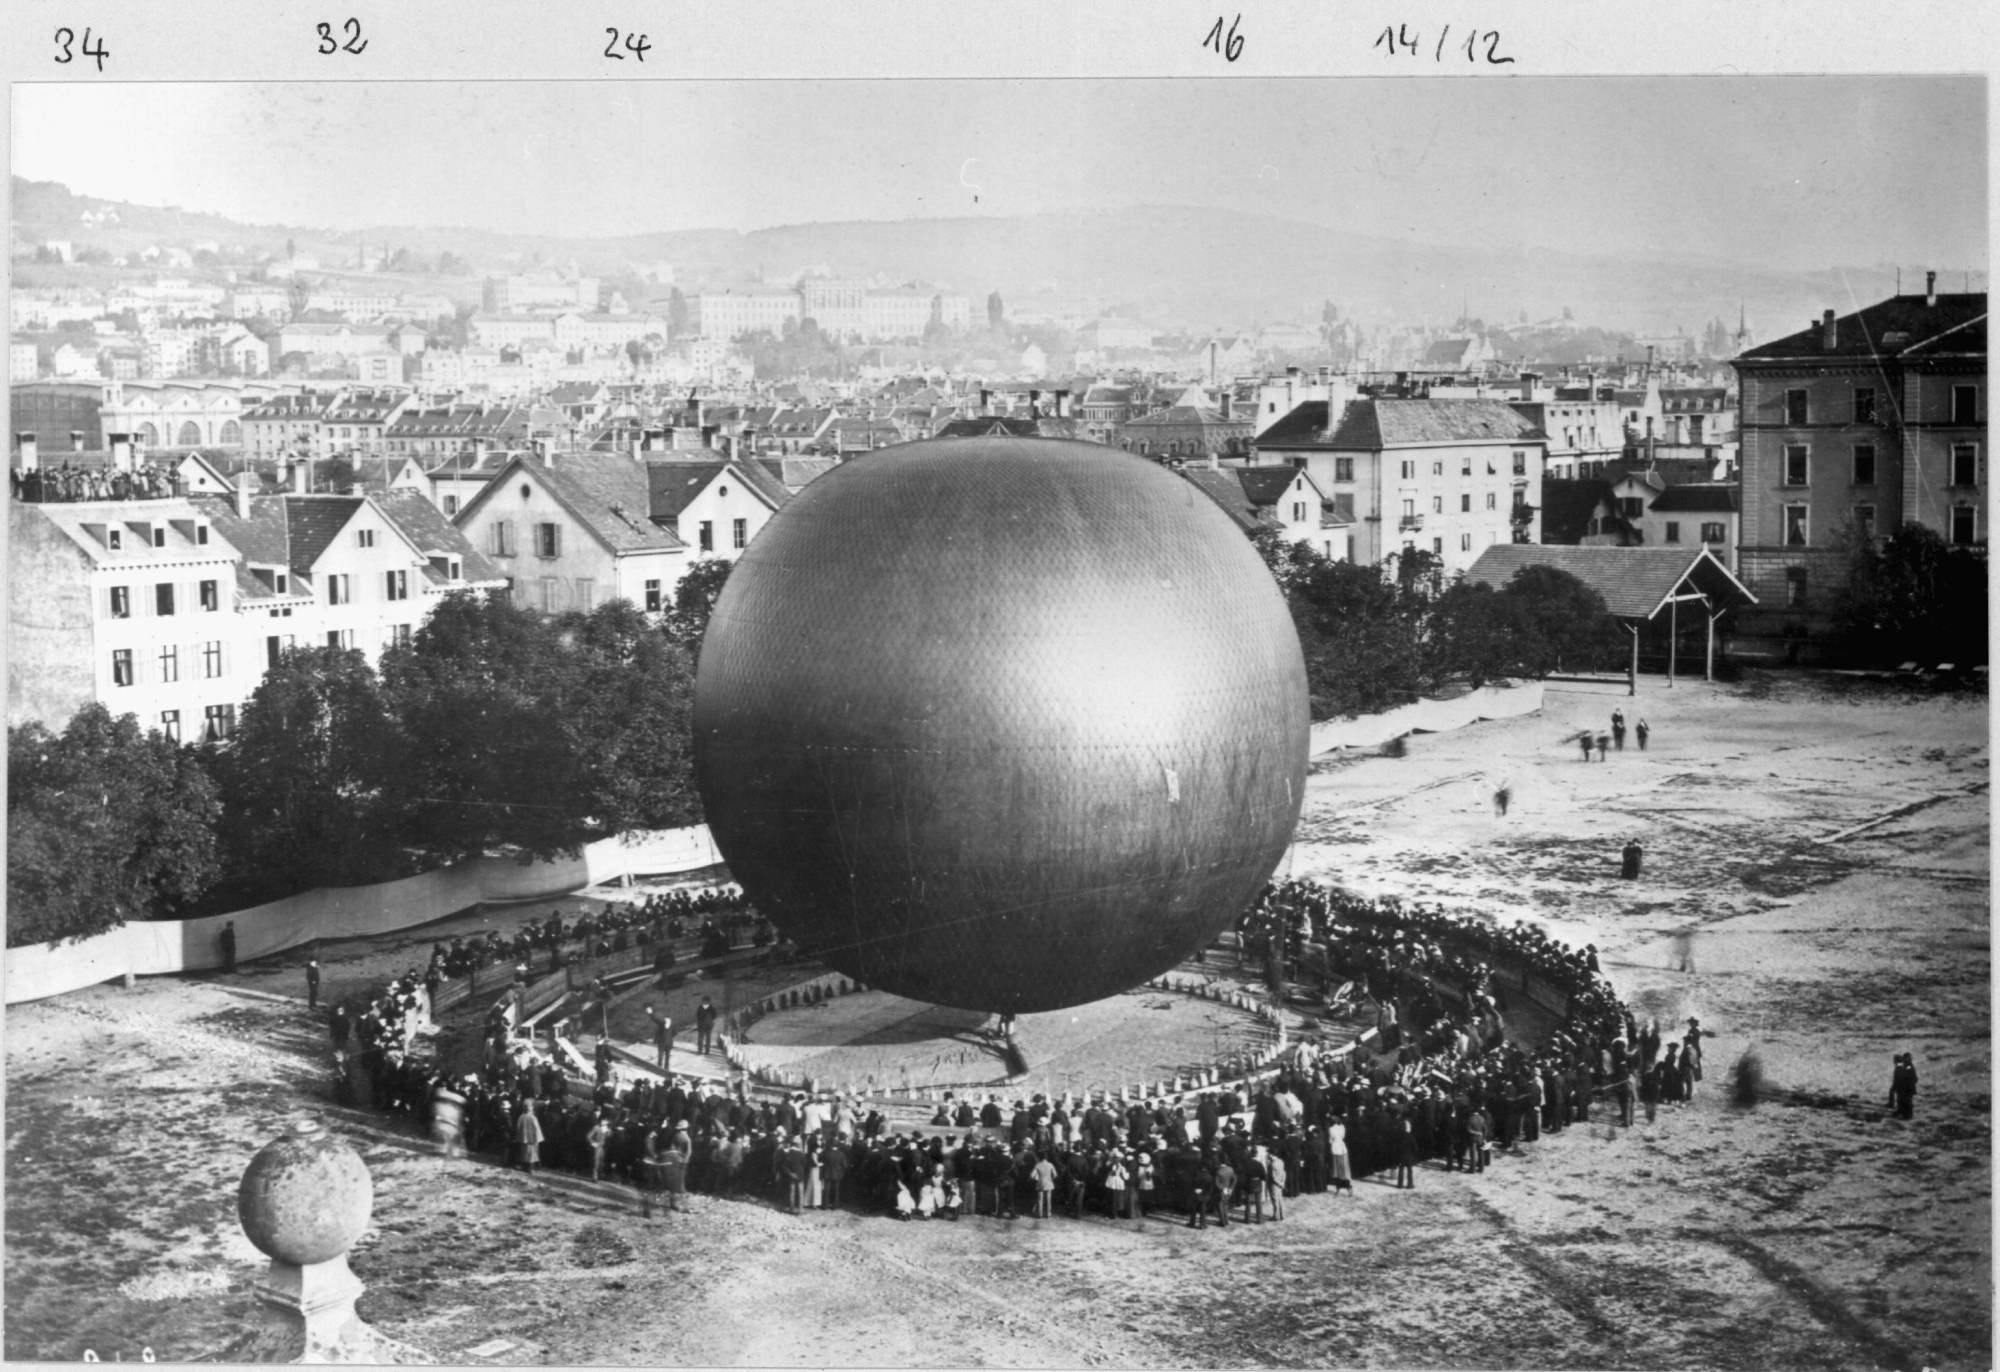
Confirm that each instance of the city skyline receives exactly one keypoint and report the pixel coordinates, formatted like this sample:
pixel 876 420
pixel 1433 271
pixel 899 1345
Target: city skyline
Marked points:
pixel 1874 169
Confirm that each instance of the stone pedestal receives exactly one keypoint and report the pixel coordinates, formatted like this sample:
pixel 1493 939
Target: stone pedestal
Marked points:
pixel 311 1307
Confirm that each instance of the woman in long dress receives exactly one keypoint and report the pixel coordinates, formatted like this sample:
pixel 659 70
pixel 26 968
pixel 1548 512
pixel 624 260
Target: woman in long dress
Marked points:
pixel 813 1195
pixel 1342 1176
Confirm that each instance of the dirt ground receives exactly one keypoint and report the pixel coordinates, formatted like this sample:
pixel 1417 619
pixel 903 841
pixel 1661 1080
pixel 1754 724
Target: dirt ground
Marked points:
pixel 1816 886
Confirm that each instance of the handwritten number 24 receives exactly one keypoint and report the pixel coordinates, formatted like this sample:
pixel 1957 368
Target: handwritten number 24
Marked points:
pixel 355 42
pixel 635 43
pixel 65 38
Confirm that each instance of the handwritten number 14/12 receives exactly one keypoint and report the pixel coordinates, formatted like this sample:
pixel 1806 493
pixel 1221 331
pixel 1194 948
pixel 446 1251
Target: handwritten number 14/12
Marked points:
pixel 1398 38
pixel 635 43
pixel 66 39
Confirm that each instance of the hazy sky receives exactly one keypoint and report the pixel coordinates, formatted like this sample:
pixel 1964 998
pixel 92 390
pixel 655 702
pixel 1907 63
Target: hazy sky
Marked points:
pixel 1787 172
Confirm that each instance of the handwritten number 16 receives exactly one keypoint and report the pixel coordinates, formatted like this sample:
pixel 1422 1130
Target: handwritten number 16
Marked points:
pixel 66 37
pixel 1232 47
pixel 355 42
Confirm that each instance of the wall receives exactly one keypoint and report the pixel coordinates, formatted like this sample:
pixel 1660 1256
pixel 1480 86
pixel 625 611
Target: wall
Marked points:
pixel 50 651
pixel 157 947
pixel 1428 717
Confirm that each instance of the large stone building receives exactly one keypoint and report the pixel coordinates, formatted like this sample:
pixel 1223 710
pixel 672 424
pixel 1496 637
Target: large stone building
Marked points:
pixel 1875 419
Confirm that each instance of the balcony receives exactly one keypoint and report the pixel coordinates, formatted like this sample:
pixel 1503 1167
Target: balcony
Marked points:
pixel 1410 523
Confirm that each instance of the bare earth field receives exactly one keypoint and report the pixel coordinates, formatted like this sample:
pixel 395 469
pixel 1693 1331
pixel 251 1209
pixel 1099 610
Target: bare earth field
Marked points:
pixel 1811 1231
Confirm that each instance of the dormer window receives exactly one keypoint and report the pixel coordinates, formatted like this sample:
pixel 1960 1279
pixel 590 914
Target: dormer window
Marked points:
pixel 282 583
pixel 201 535
pixel 114 539
pixel 159 535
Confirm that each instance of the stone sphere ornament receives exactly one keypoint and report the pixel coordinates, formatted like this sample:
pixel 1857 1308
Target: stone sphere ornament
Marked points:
pixel 1005 724
pixel 306 1196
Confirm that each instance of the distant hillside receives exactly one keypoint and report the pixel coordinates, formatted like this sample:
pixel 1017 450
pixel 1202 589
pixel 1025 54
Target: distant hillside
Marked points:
pixel 1175 265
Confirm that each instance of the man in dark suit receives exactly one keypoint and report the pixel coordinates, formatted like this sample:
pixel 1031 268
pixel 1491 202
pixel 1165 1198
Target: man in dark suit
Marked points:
pixel 312 983
pixel 227 938
pixel 704 1025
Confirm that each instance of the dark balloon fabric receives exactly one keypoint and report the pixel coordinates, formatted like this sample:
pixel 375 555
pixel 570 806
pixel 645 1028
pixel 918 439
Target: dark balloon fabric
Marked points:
pixel 1007 724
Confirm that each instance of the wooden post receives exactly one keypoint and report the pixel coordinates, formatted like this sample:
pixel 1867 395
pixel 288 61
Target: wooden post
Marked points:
pixel 1632 672
pixel 1708 673
pixel 1673 638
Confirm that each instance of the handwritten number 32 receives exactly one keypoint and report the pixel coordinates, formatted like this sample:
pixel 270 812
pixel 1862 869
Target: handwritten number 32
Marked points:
pixel 355 42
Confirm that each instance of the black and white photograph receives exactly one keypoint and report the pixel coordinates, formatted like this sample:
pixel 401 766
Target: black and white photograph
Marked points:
pixel 854 719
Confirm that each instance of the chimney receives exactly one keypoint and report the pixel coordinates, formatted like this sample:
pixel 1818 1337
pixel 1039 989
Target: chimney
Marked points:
pixel 76 440
pixel 985 401
pixel 735 447
pixel 1930 288
pixel 1527 385
pixel 1829 332
pixel 1228 406
pixel 1063 406
pixel 27 445
pixel 121 452
pixel 1034 404
pixel 545 451
pixel 297 476
pixel 241 493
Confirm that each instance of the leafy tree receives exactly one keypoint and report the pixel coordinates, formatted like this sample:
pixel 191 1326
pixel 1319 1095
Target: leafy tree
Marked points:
pixel 296 295
pixel 1912 596
pixel 104 824
pixel 1560 623
pixel 627 717
pixel 694 601
pixel 483 764
pixel 305 789
pixel 679 314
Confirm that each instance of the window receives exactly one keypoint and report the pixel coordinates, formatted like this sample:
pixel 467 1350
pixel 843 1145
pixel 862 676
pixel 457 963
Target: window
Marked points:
pixel 159 535
pixel 1964 523
pixel 170 725
pixel 121 666
pixel 1965 404
pixel 739 530
pixel 1673 534
pixel 338 590
pixel 1489 501
pixel 1795 464
pixel 1864 404
pixel 170 664
pixel 652 597
pixel 218 723
pixel 450 506
pixel 1465 502
pixel 1437 547
pixel 201 535
pixel 1298 512
pixel 1795 587
pixel 707 539
pixel 275 647
pixel 340 638
pixel 211 596
pixel 1409 469
pixel 114 539
pixel 364 538
pixel 503 538
pixel 548 540
pixel 1437 504
pixel 1795 526
pixel 586 593
pixel 281 581
pixel 121 602
pixel 396 636
pixel 1632 507
pixel 1437 469
pixel 396 585
pixel 1965 464
pixel 1864 519
pixel 1864 464
pixel 163 598
pixel 1712 533
pixel 1350 547
pixel 1520 464
pixel 1465 465
pixel 1795 407
pixel 551 595
pixel 1343 469
pixel 1409 509
pixel 1465 543
pixel 211 658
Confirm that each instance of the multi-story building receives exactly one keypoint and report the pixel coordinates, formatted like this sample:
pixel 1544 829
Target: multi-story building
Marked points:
pixel 1874 420
pixel 539 290
pixel 729 314
pixel 357 423
pixel 1583 435
pixel 22 362
pixel 1452 477
pixel 317 340
pixel 283 427
pixel 605 330
pixel 360 306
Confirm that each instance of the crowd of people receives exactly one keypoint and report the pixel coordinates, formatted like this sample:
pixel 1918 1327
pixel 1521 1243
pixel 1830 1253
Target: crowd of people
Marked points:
pixel 658 920
pixel 1443 1081
pixel 70 482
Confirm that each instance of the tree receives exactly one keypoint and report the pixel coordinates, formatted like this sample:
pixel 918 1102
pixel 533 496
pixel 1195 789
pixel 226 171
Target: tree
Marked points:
pixel 694 601
pixel 629 721
pixel 679 315
pixel 104 824
pixel 296 295
pixel 1910 597
pixel 305 785
pixel 996 313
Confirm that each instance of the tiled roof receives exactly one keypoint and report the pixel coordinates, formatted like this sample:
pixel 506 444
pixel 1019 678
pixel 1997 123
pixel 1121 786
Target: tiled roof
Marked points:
pixel 1375 424
pixel 1635 582
pixel 673 485
pixel 1449 352
pixel 1305 425
pixel 263 538
pixel 608 493
pixel 981 426
pixel 1226 490
pixel 794 472
pixel 1889 328
pixel 426 527
pixel 314 521
pixel 759 479
pixel 1714 498
pixel 1268 485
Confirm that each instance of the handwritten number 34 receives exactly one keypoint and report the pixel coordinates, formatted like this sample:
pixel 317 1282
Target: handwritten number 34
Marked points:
pixel 66 39
pixel 355 42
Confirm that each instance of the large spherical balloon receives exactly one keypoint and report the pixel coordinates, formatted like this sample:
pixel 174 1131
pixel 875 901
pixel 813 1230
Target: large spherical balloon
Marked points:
pixel 1006 724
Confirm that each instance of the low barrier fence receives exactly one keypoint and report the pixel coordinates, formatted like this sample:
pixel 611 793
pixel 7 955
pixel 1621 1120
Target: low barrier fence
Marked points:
pixel 1428 717
pixel 159 947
